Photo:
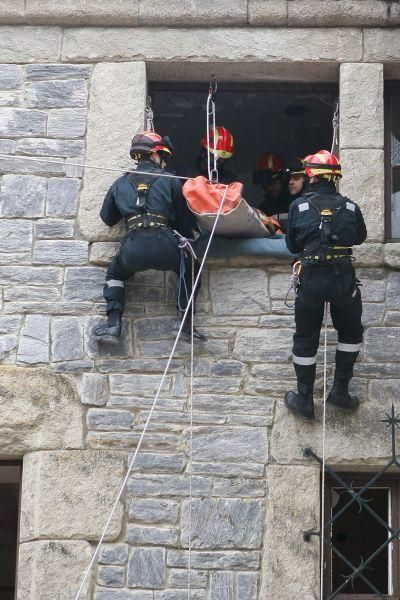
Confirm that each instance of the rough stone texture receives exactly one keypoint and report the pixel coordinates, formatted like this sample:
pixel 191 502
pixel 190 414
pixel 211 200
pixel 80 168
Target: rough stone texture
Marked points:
pixel 249 298
pixel 42 72
pixel 81 502
pixel 290 566
pixel 153 511
pixel 146 568
pixel 111 576
pixel 381 45
pixel 79 12
pixel 117 99
pixel 218 523
pixel 67 122
pixel 392 255
pixel 22 196
pixel 263 345
pixel 12 11
pixel 213 443
pixel 34 342
pixel 62 252
pixel 66 339
pixel 94 389
pixel 224 44
pixel 361 106
pixel 39 410
pixel 62 197
pixel 267 12
pixel 185 12
pixel 347 13
pixel 84 284
pixel 46 147
pixel 109 420
pixel 101 253
pixel 30 44
pixel 113 554
pixel 382 344
pixel 22 123
pixel 10 75
pixel 123 595
pixel 56 94
pixel 365 186
pixel 53 567
pixel 54 229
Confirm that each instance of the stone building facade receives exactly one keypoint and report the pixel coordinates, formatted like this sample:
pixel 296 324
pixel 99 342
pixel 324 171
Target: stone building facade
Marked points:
pixel 73 81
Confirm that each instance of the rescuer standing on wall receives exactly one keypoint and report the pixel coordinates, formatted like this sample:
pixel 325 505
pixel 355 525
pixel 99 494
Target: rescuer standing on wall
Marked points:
pixel 151 207
pixel 323 225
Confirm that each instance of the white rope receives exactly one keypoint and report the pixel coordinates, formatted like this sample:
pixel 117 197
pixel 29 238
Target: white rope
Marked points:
pixel 322 538
pixel 149 115
pixel 190 442
pixel 190 301
pixel 335 126
pixel 97 167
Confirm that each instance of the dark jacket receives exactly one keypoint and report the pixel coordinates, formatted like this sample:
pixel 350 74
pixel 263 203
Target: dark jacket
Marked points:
pixel 304 221
pixel 164 197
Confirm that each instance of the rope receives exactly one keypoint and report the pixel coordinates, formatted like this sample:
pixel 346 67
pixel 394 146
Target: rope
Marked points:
pixel 190 302
pixel 148 115
pixel 97 167
pixel 322 540
pixel 335 125
pixel 190 442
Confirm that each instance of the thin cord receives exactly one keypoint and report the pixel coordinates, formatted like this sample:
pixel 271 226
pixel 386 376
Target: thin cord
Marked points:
pixel 97 167
pixel 322 540
pixel 191 441
pixel 154 402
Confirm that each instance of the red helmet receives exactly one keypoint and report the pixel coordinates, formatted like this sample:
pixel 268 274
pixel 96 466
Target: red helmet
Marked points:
pixel 147 142
pixel 223 144
pixel 322 163
pixel 270 162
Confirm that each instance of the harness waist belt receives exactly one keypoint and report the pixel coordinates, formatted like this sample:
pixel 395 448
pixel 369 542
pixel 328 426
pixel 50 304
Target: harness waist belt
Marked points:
pixel 146 221
pixel 330 253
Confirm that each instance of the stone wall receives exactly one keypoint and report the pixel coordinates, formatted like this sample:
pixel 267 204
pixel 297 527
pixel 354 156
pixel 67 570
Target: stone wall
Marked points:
pixel 72 90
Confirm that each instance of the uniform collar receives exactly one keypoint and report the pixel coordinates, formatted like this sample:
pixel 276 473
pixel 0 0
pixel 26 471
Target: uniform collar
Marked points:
pixel 323 185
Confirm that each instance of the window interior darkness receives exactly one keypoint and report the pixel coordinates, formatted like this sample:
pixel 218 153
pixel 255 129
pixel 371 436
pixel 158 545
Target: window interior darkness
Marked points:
pixel 290 120
pixel 392 157
pixel 10 481
pixel 357 535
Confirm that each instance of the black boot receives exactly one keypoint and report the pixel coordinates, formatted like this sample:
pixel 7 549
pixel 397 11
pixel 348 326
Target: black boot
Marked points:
pixel 339 396
pixel 110 331
pixel 302 403
pixel 186 329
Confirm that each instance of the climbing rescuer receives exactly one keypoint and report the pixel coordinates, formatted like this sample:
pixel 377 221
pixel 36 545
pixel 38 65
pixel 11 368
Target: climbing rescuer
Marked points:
pixel 269 174
pixel 152 207
pixel 297 180
pixel 323 225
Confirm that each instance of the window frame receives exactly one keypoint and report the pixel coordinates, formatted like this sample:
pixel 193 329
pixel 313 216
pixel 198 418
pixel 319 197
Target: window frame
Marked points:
pixel 5 478
pixel 391 481
pixel 391 88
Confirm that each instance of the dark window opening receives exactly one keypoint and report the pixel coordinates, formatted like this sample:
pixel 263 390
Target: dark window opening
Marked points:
pixel 357 535
pixel 392 160
pixel 10 483
pixel 289 120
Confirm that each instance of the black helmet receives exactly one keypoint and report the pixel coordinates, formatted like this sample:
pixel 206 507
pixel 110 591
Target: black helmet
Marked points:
pixel 147 142
pixel 294 167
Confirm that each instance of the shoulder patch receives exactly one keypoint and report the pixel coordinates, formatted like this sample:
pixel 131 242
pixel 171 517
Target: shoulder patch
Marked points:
pixel 303 206
pixel 350 206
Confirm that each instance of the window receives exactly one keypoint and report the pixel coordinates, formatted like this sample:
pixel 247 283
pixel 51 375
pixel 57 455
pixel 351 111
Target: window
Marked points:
pixel 357 534
pixel 10 481
pixel 291 120
pixel 392 158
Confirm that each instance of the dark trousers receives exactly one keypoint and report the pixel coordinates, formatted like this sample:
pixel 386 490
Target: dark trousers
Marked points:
pixel 142 250
pixel 336 284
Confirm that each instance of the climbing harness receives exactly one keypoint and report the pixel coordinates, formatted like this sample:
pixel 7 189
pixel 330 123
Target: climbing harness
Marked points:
pixel 186 249
pixel 294 283
pixel 210 126
pixel 153 406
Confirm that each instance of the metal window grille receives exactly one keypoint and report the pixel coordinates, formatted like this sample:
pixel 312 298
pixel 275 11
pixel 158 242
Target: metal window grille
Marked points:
pixel 357 495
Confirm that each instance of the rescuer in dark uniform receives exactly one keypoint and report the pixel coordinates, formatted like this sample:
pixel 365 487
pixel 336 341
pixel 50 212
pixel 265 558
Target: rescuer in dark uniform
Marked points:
pixel 269 174
pixel 297 180
pixel 151 207
pixel 323 225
